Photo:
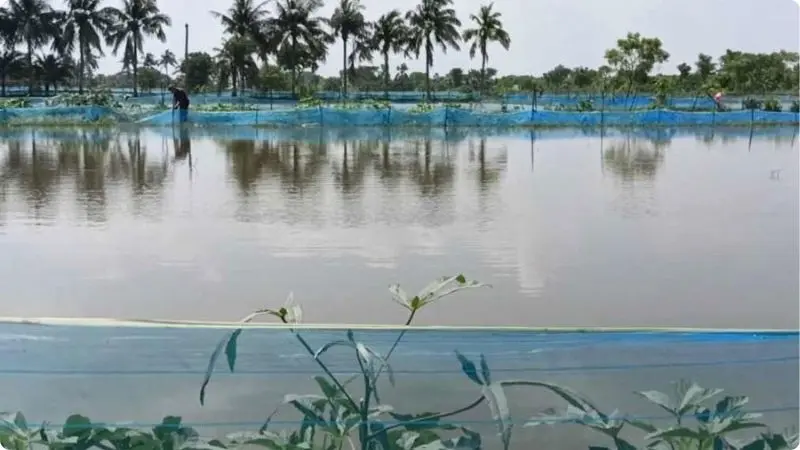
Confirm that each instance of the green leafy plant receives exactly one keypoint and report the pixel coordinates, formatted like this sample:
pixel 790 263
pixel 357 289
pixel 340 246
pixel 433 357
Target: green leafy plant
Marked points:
pixel 421 108
pixel 20 102
pixel 773 105
pixel 795 107
pixel 345 414
pixel 335 414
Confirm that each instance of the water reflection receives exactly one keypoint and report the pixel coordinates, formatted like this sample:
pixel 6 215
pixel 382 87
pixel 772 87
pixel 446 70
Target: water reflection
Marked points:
pixel 208 215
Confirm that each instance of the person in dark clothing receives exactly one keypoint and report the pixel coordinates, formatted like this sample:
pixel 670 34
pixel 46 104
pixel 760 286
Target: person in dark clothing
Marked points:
pixel 180 101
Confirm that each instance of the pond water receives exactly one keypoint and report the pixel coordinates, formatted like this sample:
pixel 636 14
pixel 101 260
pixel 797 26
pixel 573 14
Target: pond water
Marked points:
pixel 667 228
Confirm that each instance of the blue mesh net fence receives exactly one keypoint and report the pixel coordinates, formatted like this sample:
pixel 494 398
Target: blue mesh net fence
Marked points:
pixel 441 117
pixel 154 371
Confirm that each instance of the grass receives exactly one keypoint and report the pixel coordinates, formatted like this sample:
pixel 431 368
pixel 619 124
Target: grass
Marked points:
pixel 349 413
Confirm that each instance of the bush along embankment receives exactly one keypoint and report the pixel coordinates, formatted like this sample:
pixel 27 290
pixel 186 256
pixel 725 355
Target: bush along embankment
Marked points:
pixel 349 413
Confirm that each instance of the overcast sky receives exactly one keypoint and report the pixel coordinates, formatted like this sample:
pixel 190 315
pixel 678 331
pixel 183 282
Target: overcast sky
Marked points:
pixel 545 33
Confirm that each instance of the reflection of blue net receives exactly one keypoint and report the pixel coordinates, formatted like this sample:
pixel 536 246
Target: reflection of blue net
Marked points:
pixel 50 372
pixel 463 117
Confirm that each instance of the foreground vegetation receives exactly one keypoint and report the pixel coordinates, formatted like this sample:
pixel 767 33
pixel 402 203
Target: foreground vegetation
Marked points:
pixel 280 46
pixel 336 417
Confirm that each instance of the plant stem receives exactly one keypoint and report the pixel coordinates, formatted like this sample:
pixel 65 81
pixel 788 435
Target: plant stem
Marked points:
pixel 418 420
pixel 323 366
pixel 396 343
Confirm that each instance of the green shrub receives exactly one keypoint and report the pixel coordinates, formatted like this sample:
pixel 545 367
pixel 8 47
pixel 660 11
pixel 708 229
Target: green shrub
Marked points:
pixel 422 107
pixel 772 105
pixel 795 107
pixel 20 102
pixel 751 103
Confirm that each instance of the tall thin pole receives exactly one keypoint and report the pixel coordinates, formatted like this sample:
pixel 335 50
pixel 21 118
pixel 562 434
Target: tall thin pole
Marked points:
pixel 186 43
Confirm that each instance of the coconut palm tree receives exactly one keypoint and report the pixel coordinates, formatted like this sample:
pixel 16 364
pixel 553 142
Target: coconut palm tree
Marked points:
pixel 167 60
pixel 10 58
pixel 348 21
pixel 488 29
pixel 390 36
pixel 149 61
pixel 53 70
pixel 246 19
pixel 236 56
pixel 85 23
pixel 36 24
pixel 432 22
pixel 136 20
pixel 298 35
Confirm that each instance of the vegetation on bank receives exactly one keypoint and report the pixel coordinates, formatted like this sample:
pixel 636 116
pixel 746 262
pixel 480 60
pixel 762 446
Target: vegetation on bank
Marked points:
pixel 280 46
pixel 341 415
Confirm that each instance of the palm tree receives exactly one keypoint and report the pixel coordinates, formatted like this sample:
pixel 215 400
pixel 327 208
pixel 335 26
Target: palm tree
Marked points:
pixel 488 28
pixel 36 24
pixel 348 21
pixel 84 24
pixel 297 34
pixel 167 60
pixel 11 63
pixel 432 22
pixel 391 34
pixel 235 56
pixel 149 61
pixel 246 19
pixel 53 70
pixel 10 58
pixel 136 20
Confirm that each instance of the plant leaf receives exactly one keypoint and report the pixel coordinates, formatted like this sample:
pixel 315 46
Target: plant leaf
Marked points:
pixel 498 404
pixel 487 375
pixel 469 368
pixel 322 350
pixel 399 295
pixel 659 398
pixel 677 432
pixel 694 397
pixel 77 425
pixel 230 351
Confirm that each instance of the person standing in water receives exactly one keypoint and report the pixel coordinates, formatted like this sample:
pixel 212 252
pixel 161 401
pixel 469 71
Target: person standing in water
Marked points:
pixel 180 101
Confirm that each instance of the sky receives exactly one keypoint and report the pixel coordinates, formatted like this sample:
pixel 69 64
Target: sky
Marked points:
pixel 545 33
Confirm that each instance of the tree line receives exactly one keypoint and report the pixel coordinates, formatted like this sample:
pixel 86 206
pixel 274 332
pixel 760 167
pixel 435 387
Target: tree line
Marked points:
pixel 281 45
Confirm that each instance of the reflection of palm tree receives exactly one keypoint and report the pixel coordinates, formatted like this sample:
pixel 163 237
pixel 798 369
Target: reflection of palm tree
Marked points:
pixel 633 158
pixel 296 164
pixel 488 172
pixel 431 176
pixel 350 174
pixel 389 168
pixel 35 173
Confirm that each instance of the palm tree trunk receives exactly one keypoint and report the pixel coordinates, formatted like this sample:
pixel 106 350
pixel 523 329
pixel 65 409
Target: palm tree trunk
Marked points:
pixel 344 67
pixel 428 57
pixel 483 74
pixel 135 71
pixel 386 75
pixel 294 65
pixel 30 67
pixel 80 67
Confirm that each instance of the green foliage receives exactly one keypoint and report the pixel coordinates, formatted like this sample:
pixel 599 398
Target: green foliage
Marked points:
pixel 751 103
pixel 423 107
pixel 795 107
pixel 198 68
pixel 20 102
pixel 773 105
pixel 334 418
pixel 94 98
pixel 225 107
